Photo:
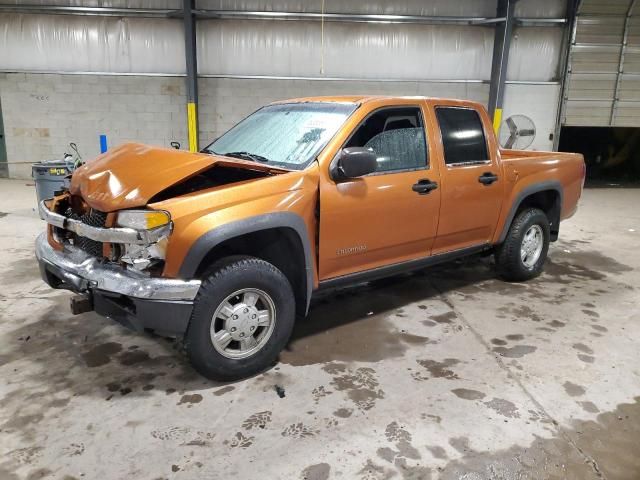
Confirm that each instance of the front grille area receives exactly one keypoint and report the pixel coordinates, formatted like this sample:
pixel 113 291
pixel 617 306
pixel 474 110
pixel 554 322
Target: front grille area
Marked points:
pixel 92 217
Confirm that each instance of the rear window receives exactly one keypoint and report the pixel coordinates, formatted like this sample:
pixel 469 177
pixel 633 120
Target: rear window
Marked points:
pixel 462 135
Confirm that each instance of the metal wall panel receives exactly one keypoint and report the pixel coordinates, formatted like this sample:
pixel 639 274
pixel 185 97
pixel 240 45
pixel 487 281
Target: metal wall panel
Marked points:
pixel 349 50
pixel 629 88
pixel 534 53
pixel 541 8
pixel 591 87
pixel 594 58
pixel 633 34
pixel 70 43
pixel 627 114
pixel 364 50
pixel 587 113
pixel 606 30
pixel 604 7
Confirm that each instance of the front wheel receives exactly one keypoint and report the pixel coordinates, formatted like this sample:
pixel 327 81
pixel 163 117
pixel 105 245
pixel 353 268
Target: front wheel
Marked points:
pixel 522 254
pixel 242 318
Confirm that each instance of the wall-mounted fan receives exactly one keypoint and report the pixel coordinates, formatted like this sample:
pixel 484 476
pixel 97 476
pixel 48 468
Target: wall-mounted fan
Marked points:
pixel 517 132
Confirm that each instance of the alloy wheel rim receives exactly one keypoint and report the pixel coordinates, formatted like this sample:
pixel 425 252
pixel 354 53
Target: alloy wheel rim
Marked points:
pixel 531 247
pixel 243 323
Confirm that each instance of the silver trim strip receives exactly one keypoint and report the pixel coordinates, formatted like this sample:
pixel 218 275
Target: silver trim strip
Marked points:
pixel 111 235
pixel 81 272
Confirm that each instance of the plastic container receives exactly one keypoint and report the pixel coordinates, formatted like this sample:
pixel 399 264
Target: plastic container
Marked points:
pixel 50 176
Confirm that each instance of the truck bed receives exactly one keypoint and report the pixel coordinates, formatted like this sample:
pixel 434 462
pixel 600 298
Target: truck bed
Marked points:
pixel 524 167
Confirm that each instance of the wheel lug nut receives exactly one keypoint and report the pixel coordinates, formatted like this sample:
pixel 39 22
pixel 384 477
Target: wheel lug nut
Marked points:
pixel 242 334
pixel 253 316
pixel 233 329
pixel 246 310
pixel 253 328
pixel 235 317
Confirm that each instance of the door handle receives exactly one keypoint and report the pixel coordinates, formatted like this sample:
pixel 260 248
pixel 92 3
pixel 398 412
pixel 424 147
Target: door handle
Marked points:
pixel 424 186
pixel 487 178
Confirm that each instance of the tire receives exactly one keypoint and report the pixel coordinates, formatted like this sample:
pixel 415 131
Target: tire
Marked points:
pixel 252 278
pixel 509 261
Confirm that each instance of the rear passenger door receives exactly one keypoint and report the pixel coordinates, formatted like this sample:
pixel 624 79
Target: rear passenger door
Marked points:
pixel 471 184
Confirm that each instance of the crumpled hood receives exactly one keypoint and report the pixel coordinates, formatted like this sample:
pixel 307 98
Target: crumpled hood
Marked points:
pixel 131 174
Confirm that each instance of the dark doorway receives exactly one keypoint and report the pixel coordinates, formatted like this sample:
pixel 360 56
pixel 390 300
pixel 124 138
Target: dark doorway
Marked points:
pixel 612 154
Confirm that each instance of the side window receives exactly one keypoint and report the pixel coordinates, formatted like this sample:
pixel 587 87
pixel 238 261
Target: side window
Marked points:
pixel 462 135
pixel 397 137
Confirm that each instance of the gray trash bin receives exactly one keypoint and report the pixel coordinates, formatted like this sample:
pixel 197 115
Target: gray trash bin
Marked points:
pixel 49 176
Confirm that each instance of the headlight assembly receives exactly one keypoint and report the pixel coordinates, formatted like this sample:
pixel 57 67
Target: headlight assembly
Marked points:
pixel 143 219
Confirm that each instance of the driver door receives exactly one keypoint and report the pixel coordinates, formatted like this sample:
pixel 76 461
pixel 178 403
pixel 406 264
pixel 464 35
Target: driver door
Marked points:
pixel 385 217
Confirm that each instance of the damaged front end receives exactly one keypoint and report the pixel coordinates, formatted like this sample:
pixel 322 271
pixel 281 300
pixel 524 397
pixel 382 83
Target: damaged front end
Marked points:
pixel 113 260
pixel 137 238
pixel 109 237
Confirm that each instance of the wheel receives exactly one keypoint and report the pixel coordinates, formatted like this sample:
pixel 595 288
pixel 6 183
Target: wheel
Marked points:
pixel 242 318
pixel 522 254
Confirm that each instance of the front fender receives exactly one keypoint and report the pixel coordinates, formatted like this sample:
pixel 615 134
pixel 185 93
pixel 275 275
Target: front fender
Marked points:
pixel 207 242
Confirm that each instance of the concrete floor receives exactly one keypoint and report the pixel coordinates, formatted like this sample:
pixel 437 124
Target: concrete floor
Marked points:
pixel 445 374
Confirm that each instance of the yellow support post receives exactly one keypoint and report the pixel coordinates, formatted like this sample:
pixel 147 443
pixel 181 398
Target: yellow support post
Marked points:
pixel 192 125
pixel 497 118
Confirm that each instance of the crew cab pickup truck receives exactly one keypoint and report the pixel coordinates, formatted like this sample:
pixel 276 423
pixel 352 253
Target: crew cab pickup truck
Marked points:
pixel 225 248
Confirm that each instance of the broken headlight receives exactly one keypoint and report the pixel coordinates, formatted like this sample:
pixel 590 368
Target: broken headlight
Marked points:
pixel 141 257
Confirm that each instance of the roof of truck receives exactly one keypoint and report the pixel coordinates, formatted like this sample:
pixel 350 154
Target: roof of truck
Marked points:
pixel 359 99
pixel 339 98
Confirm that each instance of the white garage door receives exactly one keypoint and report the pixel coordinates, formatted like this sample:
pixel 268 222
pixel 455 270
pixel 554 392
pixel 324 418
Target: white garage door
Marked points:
pixel 603 84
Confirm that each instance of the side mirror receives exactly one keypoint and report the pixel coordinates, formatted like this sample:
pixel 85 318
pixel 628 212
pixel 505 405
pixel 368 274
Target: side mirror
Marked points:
pixel 354 162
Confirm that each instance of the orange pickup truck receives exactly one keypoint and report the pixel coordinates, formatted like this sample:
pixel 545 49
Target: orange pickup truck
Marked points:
pixel 225 248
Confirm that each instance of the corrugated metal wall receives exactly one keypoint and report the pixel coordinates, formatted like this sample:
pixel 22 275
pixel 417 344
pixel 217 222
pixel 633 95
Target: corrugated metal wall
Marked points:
pixel 244 63
pixel 603 87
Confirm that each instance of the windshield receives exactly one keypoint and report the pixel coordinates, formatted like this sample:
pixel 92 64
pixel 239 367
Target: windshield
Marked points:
pixel 288 135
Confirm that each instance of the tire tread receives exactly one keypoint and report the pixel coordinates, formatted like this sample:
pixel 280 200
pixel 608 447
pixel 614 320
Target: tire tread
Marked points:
pixel 507 255
pixel 215 278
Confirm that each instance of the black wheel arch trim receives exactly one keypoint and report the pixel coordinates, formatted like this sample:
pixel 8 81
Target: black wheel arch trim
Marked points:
pixel 217 235
pixel 526 192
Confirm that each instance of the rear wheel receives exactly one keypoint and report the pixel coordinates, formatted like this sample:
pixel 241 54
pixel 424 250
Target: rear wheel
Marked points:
pixel 242 318
pixel 522 254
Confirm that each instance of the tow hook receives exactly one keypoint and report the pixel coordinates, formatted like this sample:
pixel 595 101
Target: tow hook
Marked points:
pixel 81 303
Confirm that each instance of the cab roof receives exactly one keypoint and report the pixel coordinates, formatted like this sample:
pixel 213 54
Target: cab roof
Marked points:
pixel 360 99
pixel 339 99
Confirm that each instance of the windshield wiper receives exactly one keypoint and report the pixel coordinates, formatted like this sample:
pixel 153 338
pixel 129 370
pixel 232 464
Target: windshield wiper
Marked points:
pixel 246 156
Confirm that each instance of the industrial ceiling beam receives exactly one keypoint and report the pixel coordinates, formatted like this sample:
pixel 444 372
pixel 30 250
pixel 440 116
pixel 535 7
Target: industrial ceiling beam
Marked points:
pixel 374 18
pixel 262 15
pixel 500 61
pixel 94 11
pixel 345 17
pixel 192 73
